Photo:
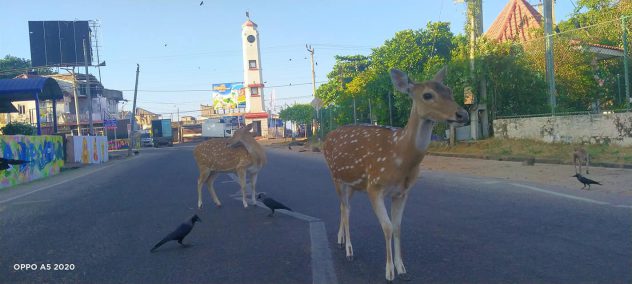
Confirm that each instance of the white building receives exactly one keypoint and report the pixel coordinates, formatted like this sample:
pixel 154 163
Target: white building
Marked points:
pixel 253 81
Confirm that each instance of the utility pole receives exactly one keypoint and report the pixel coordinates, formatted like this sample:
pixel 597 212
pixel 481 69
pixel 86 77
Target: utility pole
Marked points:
pixel 74 92
pixel 370 113
pixel 310 49
pixel 390 111
pixel 475 19
pixel 133 115
pixel 626 66
pixel 85 59
pixel 548 34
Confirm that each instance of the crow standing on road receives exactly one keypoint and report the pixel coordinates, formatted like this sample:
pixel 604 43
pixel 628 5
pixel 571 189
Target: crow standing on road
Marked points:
pixel 178 235
pixel 585 180
pixel 271 203
pixel 6 163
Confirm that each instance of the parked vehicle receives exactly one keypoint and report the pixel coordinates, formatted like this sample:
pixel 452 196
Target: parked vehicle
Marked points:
pixel 161 132
pixel 146 140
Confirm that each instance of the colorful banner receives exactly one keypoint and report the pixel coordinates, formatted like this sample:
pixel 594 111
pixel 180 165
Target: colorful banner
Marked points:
pixel 42 156
pixel 87 149
pixel 228 96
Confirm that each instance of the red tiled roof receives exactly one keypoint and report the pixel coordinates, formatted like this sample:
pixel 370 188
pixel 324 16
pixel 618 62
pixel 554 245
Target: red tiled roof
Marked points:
pixel 514 22
pixel 250 23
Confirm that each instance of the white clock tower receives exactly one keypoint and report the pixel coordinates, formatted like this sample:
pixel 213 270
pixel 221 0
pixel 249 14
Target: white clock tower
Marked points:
pixel 253 82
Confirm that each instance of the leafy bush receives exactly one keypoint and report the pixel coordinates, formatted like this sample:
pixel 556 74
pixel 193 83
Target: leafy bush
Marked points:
pixel 18 128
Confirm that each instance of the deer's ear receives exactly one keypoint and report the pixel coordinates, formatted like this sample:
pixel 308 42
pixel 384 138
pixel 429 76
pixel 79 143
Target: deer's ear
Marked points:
pixel 400 81
pixel 440 76
pixel 249 127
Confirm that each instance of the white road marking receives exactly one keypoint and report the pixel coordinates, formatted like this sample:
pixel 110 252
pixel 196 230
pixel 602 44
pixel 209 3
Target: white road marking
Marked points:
pixel 322 266
pixel 561 194
pixel 623 206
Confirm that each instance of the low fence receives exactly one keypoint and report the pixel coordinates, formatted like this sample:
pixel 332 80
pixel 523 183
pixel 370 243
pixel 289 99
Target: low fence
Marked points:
pixel 43 156
pixel 613 128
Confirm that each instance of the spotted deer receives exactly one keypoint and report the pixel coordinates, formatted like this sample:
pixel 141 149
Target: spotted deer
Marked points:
pixel 240 154
pixel 580 156
pixel 384 162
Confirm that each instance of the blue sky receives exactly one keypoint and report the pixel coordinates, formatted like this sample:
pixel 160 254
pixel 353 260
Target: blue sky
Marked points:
pixel 203 43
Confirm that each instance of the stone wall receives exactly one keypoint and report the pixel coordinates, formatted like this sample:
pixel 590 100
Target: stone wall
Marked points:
pixel 590 128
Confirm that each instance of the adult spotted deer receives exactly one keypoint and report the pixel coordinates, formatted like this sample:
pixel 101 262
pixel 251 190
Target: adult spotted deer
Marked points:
pixel 581 156
pixel 384 162
pixel 240 154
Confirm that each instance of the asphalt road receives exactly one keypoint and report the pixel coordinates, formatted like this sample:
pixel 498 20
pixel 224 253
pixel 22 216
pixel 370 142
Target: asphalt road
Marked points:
pixel 104 219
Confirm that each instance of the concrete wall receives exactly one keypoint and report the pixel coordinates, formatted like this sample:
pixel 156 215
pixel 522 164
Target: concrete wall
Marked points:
pixel 594 129
pixel 45 156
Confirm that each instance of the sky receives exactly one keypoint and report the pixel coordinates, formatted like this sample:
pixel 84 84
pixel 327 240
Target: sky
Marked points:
pixel 183 47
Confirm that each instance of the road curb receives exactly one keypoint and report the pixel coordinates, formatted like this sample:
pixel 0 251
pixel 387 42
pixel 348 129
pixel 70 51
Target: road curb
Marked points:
pixel 521 159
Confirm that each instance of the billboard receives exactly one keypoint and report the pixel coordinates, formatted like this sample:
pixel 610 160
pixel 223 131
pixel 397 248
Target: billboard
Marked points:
pixel 228 96
pixel 59 43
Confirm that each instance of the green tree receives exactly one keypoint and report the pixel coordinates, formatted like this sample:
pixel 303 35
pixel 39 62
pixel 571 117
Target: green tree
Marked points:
pixel 299 113
pixel 11 66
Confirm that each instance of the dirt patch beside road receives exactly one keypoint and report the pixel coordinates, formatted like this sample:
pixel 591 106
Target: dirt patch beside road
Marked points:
pixel 613 180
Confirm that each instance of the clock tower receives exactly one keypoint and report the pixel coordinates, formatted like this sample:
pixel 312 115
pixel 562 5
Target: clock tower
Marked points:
pixel 253 82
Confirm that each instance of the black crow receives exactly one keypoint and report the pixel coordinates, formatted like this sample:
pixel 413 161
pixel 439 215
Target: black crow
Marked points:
pixel 271 203
pixel 180 233
pixel 585 180
pixel 6 163
pixel 201 3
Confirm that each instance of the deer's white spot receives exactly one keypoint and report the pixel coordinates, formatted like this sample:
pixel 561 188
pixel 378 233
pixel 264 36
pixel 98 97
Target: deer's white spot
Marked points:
pixel 382 170
pixel 398 161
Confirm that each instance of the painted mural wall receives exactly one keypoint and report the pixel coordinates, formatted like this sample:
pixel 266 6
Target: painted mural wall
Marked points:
pixel 87 149
pixel 42 156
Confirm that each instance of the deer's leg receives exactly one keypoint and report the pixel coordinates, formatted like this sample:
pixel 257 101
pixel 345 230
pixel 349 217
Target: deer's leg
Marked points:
pixel 211 189
pixel 204 174
pixel 587 163
pixel 341 228
pixel 346 193
pixel 377 201
pixel 253 182
pixel 242 184
pixel 397 210
pixel 344 236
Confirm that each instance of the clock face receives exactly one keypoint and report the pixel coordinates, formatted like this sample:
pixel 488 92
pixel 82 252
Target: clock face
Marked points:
pixel 251 38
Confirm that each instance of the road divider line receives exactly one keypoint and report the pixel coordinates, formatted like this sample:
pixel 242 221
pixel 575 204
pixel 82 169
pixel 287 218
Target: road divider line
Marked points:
pixel 561 194
pixel 322 265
